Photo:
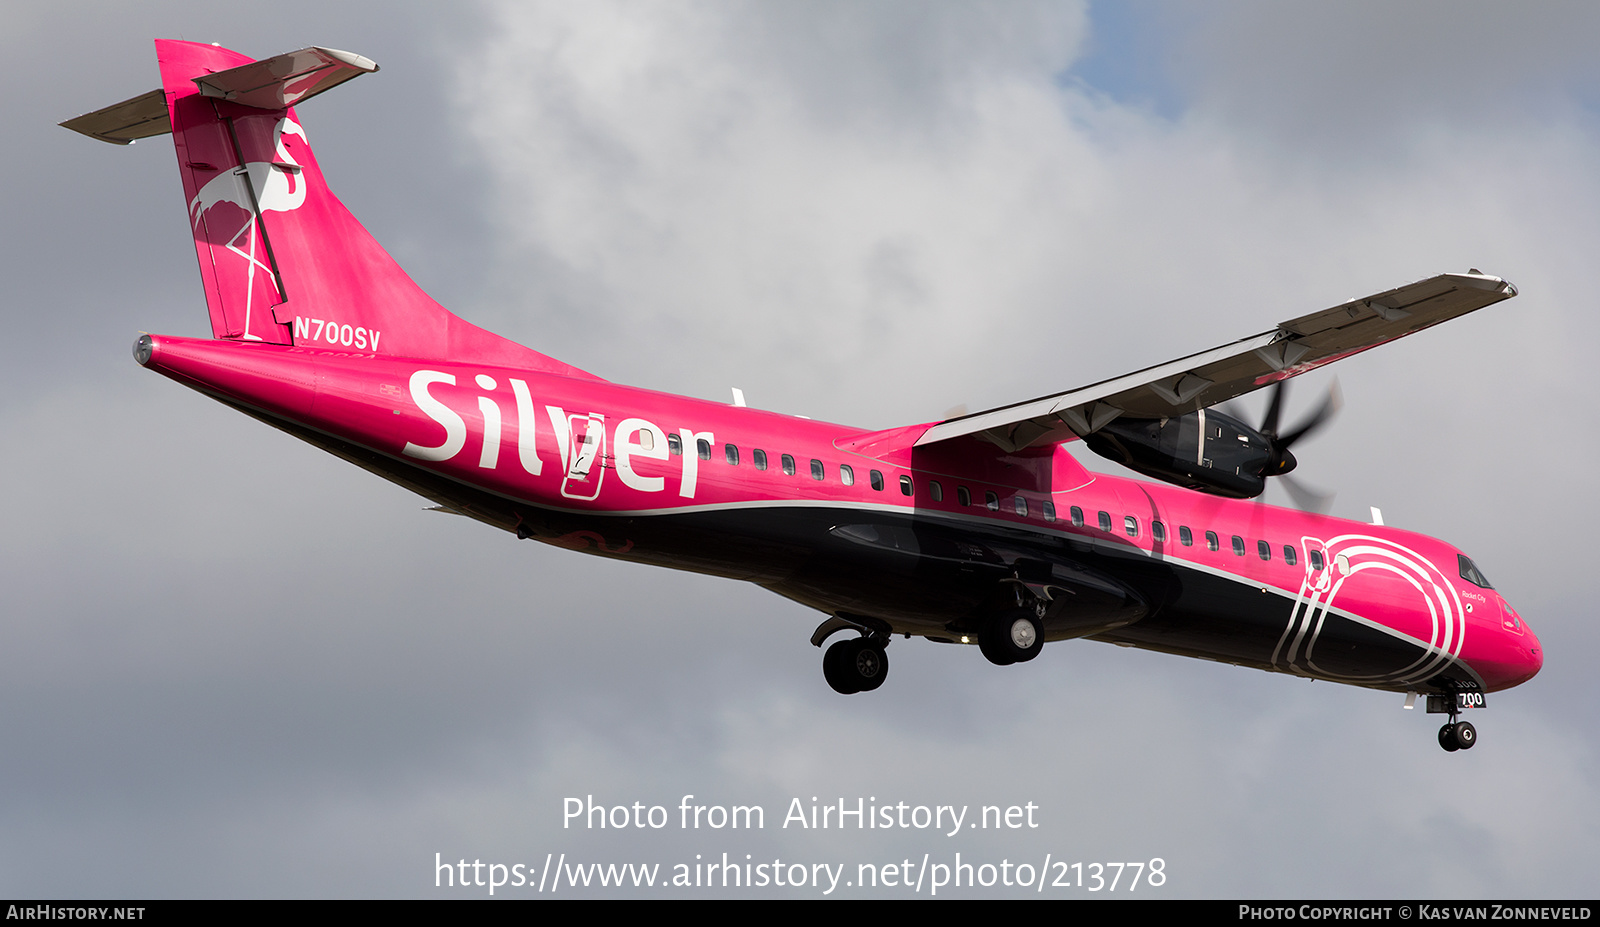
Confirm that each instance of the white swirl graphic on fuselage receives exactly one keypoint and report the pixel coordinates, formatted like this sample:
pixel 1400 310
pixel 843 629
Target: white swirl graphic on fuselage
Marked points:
pixel 1346 557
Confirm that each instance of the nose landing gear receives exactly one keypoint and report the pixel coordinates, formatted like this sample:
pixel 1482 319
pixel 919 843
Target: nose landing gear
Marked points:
pixel 1458 735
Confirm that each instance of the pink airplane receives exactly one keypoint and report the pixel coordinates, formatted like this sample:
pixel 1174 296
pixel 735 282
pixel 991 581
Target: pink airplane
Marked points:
pixel 980 529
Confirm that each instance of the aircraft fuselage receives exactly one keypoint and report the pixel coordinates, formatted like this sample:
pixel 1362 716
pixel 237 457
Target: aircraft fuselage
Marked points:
pixel 906 541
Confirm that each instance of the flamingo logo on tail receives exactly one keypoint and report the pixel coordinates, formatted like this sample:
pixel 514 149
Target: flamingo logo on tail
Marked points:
pixel 278 188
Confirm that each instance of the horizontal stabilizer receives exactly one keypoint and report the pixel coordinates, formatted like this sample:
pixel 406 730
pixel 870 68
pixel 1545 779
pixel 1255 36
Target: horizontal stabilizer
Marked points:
pixel 285 80
pixel 272 83
pixel 121 123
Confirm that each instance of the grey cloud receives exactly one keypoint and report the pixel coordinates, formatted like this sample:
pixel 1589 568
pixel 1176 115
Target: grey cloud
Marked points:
pixel 856 66
pixel 1357 80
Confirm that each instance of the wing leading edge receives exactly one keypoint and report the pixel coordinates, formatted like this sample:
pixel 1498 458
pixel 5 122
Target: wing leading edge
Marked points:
pixel 1209 377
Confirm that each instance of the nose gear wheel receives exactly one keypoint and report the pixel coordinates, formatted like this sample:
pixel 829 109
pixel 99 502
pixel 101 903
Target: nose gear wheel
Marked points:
pixel 1460 735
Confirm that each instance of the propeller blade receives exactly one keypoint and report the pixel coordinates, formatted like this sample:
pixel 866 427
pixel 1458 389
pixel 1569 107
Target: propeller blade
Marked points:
pixel 1269 424
pixel 1325 413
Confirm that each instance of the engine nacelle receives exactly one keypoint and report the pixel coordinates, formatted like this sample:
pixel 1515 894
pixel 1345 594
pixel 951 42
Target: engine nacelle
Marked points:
pixel 1205 450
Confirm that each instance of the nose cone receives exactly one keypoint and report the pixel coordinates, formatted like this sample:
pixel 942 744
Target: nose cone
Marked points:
pixel 1518 655
pixel 1535 655
pixel 1532 650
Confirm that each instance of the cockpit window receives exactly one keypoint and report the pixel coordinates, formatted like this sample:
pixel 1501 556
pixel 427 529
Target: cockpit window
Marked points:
pixel 1471 573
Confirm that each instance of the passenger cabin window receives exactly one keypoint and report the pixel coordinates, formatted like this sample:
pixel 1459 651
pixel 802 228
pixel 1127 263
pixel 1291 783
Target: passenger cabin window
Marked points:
pixel 1185 536
pixel 1130 525
pixel 817 471
pixel 788 465
pixel 647 439
pixel 962 496
pixel 1077 516
pixel 675 445
pixel 1264 550
pixel 1158 531
pixel 905 485
pixel 731 454
pixel 876 479
pixel 1021 505
pixel 760 458
pixel 991 501
pixel 1105 521
pixel 1288 554
pixel 703 447
pixel 1049 511
pixel 1211 541
pixel 935 490
pixel 847 476
pixel 1238 546
pixel 1316 560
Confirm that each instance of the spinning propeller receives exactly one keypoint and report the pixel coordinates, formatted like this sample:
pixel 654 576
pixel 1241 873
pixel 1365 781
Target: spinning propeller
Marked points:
pixel 1279 458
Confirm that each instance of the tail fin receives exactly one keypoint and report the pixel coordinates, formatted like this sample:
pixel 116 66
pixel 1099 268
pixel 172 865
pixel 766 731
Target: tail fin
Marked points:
pixel 281 258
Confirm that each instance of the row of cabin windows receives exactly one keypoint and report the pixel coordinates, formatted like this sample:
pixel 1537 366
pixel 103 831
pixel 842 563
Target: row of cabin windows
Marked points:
pixel 758 457
pixel 1158 531
pixel 991 501
pixel 847 476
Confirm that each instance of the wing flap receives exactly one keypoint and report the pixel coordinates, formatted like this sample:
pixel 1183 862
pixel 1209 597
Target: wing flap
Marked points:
pixel 1200 380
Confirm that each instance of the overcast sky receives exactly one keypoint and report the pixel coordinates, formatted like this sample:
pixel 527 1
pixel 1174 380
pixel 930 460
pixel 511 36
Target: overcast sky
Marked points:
pixel 236 666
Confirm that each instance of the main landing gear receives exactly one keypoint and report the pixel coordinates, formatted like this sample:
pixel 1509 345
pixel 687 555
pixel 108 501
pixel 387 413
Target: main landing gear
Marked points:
pixel 1010 637
pixel 861 664
pixel 857 665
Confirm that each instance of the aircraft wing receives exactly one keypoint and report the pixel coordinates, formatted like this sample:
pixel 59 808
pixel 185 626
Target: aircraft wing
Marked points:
pixel 1209 377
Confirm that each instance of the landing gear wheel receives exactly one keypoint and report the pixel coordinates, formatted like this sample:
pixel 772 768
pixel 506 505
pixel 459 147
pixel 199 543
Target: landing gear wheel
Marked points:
pixel 871 665
pixel 1026 636
pixel 838 667
pixel 990 644
pixel 1447 738
pixel 1011 637
pixel 855 665
pixel 1466 735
